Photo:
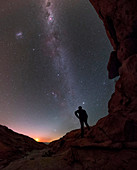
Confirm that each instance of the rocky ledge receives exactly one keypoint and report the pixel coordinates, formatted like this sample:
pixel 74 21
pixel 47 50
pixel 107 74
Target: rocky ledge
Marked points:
pixel 73 152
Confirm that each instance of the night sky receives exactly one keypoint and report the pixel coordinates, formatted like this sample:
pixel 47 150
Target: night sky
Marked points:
pixel 53 58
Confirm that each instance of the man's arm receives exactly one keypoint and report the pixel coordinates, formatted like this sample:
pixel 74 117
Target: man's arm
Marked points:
pixel 76 113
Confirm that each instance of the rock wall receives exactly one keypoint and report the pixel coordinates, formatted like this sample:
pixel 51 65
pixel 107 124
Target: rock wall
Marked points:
pixel 120 21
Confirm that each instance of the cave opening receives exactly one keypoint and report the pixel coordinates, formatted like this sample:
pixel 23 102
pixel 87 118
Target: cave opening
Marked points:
pixel 54 58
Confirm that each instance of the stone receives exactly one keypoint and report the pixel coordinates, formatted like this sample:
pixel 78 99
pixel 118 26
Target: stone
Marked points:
pixel 113 65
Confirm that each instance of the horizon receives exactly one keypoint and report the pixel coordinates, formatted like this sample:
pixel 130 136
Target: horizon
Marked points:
pixel 39 139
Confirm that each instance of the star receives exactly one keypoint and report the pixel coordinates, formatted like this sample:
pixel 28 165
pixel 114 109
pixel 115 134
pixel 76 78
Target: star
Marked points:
pixel 50 18
pixel 104 83
pixel 54 95
pixel 19 35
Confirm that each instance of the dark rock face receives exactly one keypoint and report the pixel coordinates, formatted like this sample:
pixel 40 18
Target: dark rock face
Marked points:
pixel 113 65
pixel 14 145
pixel 130 131
pixel 120 21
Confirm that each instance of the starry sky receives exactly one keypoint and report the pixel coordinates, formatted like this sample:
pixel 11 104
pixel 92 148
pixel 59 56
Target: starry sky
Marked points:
pixel 53 58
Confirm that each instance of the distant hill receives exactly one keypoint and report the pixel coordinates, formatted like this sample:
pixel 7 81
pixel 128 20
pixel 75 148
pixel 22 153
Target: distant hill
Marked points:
pixel 14 145
pixel 46 143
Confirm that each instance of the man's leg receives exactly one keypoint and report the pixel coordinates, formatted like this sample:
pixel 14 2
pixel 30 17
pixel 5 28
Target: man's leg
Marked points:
pixel 82 128
pixel 86 123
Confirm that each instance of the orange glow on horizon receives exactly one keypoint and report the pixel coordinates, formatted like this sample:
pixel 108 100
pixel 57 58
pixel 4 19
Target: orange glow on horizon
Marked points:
pixel 45 140
pixel 37 139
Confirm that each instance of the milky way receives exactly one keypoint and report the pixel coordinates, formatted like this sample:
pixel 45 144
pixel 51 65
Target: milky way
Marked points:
pixel 59 56
pixel 54 55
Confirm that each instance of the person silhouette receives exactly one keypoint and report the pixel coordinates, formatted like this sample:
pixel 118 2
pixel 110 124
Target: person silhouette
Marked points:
pixel 81 114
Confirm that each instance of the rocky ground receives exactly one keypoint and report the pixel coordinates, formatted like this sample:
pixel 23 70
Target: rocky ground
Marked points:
pixel 84 158
pixel 72 152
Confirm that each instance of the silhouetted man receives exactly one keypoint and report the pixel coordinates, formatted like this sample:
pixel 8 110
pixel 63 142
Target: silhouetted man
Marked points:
pixel 82 116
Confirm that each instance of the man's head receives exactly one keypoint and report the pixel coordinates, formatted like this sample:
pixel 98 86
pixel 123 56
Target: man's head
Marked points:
pixel 80 107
